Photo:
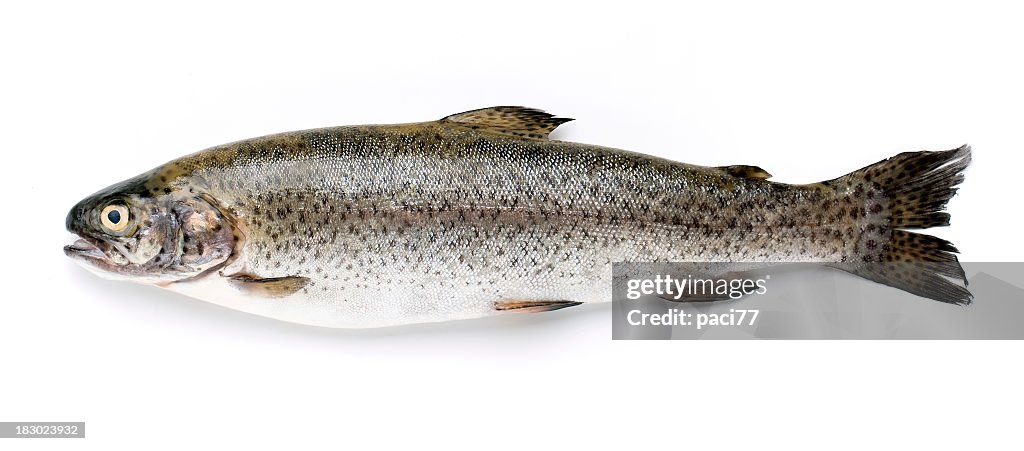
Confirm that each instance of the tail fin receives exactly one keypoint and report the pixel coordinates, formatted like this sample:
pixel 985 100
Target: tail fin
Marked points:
pixel 909 191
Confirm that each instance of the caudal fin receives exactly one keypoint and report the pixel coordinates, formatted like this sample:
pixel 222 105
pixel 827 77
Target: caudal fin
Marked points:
pixel 909 191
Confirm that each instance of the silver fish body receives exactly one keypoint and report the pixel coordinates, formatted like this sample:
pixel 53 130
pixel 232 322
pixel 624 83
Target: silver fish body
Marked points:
pixel 475 215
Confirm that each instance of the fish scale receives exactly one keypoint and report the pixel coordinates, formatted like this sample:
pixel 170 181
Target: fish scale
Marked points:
pixel 479 214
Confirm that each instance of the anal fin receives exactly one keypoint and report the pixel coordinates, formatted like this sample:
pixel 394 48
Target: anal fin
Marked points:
pixel 521 306
pixel 272 287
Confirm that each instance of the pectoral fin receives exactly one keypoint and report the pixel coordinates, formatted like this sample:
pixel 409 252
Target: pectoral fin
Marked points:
pixel 272 287
pixel 746 171
pixel 521 306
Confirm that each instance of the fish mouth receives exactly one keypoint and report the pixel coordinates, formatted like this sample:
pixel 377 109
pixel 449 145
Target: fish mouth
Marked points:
pixel 84 249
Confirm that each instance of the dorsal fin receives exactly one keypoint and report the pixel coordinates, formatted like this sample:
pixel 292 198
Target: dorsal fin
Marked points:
pixel 510 120
pixel 746 171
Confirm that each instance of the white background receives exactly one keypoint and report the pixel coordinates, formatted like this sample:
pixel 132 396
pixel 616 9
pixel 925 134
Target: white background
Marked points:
pixel 95 93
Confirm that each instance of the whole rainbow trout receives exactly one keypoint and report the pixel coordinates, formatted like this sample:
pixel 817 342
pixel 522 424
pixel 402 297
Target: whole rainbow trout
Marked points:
pixel 480 213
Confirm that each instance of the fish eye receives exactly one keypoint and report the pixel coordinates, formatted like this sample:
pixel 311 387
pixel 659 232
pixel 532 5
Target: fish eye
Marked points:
pixel 114 218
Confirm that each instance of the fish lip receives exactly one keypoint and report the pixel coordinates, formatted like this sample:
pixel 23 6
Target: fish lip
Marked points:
pixel 85 249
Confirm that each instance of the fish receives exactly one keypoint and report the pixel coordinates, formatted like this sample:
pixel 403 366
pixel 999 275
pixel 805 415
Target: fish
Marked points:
pixel 481 213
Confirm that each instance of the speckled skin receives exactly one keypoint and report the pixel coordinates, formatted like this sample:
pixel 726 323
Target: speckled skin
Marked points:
pixel 434 221
pixel 427 222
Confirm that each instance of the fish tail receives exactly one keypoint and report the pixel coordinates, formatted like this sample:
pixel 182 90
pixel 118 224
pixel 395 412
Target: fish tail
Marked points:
pixel 908 191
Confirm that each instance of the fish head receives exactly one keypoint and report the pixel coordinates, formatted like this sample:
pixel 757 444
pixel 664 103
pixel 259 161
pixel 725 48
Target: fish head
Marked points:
pixel 132 231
